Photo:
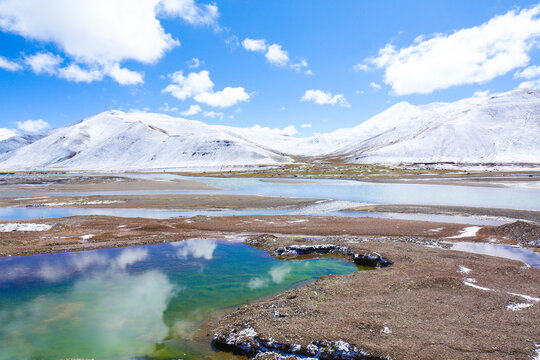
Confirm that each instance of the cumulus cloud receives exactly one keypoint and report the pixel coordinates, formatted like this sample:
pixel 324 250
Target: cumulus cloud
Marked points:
pixel 322 98
pixel 275 54
pixel 533 84
pixel 193 110
pixel 32 125
pixel 75 73
pixel 43 62
pixel 288 130
pixel 213 114
pixel 374 85
pixel 9 65
pixel 124 76
pixel 199 87
pixel 229 96
pixel 100 34
pixel 188 10
pixel 194 83
pixel 254 44
pixel 467 56
pixel 528 73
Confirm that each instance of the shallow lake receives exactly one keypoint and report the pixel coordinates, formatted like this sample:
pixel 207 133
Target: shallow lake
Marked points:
pixel 137 302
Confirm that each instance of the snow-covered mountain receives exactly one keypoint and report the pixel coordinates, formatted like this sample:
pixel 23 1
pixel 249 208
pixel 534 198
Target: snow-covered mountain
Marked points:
pixel 115 140
pixel 503 128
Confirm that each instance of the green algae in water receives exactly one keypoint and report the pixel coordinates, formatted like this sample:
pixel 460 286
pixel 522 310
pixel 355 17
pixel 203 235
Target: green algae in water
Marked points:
pixel 137 302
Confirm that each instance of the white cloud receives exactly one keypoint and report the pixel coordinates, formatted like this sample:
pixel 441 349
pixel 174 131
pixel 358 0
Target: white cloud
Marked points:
pixel 361 67
pixel 322 98
pixel 193 63
pixel 288 130
pixel 75 73
pixel 306 125
pixel 9 65
pixel 254 44
pixel 199 87
pixel 124 76
pixel 188 10
pixel 374 85
pixel 7 133
pixel 99 31
pixel 276 55
pixel 100 34
pixel 528 73
pixel 480 93
pixel 213 114
pixel 43 62
pixel 229 96
pixel 32 125
pixel 533 84
pixel 193 84
pixel 467 56
pixel 193 110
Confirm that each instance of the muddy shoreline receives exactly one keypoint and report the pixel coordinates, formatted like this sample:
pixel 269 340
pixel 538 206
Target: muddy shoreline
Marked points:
pixel 73 233
pixel 431 303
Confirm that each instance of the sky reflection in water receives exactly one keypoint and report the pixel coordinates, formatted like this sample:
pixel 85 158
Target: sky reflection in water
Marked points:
pixel 145 300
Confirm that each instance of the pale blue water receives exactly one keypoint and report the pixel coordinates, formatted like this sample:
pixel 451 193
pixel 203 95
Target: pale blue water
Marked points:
pixel 357 191
pixel 500 250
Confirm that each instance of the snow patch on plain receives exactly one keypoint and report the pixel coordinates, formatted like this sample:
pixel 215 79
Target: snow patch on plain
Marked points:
pixel 9 227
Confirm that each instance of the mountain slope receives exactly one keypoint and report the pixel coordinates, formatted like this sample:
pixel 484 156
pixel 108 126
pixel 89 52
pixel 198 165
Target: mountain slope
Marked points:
pixel 116 140
pixel 503 128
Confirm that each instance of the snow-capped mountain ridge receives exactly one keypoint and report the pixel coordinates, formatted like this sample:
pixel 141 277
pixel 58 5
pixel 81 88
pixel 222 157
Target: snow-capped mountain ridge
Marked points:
pixel 504 128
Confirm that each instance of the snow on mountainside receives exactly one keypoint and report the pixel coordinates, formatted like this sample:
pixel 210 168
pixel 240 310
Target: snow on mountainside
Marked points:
pixel 503 128
pixel 115 141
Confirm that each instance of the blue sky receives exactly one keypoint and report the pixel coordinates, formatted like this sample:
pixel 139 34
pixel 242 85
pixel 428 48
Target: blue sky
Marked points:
pixel 316 65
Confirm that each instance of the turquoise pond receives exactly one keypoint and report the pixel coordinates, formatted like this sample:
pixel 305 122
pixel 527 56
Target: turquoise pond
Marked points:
pixel 141 302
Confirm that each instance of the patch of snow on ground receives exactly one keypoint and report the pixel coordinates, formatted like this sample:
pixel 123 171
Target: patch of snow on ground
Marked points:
pixel 467 232
pixel 326 207
pixel 386 330
pixel 526 297
pixel 471 280
pixel 464 270
pixel 518 306
pixel 297 221
pixel 87 237
pixel 476 286
pixel 9 227
pixel 537 352
pixel 436 229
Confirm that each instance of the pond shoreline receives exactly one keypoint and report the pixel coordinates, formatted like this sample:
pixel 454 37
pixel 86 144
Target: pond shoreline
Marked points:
pixel 431 303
